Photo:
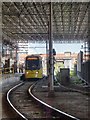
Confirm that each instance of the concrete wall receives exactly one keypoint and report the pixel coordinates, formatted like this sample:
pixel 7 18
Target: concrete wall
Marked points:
pixel 83 68
pixel 79 61
pixel 67 63
pixel 85 71
pixel 65 75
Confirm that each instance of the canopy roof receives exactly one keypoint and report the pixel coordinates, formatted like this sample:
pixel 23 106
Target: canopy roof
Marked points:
pixel 29 21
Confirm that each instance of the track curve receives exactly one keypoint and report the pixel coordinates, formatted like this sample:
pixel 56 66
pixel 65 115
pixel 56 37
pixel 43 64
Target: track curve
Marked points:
pixel 62 114
pixel 27 113
pixel 8 99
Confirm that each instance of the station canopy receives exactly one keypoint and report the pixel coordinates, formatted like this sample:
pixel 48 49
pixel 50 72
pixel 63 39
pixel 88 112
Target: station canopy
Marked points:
pixel 29 21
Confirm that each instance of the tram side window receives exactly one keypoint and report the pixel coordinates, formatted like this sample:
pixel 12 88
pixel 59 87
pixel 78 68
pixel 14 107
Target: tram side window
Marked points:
pixel 40 64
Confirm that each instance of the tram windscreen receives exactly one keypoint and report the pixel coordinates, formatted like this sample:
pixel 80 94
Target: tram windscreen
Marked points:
pixel 32 64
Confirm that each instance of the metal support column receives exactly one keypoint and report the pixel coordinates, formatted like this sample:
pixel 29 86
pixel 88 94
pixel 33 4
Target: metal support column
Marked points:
pixel 47 52
pixel 16 59
pixel 51 87
pixel 47 57
pixel 85 51
pixel 89 34
pixel 88 49
pixel 0 33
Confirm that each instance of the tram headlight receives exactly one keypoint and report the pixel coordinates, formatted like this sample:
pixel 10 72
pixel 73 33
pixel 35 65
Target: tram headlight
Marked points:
pixel 27 72
pixel 37 72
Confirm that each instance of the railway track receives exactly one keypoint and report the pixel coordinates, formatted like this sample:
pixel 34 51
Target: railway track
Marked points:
pixel 29 107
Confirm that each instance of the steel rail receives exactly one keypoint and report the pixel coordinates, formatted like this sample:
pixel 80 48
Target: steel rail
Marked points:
pixel 8 99
pixel 40 101
pixel 47 105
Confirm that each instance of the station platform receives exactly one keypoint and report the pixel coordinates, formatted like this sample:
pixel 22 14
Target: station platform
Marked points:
pixel 72 101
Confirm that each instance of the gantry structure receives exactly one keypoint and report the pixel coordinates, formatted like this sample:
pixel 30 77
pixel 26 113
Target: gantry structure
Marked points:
pixel 29 21
pixel 45 22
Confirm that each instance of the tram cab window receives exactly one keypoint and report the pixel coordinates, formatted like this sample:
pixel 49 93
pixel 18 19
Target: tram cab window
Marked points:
pixel 32 64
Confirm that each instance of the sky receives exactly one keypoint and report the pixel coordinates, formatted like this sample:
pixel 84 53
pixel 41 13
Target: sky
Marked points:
pixel 60 48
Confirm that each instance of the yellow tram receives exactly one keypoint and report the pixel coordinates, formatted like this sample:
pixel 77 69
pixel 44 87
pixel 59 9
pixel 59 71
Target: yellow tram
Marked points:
pixel 33 67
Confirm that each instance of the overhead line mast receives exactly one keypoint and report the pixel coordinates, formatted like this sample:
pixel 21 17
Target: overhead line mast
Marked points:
pixel 51 87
